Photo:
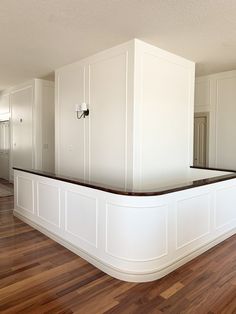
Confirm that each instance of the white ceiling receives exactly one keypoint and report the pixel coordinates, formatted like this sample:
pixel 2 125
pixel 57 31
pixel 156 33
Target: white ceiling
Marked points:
pixel 38 36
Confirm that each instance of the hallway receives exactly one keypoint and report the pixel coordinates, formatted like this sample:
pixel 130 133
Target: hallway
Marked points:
pixel 6 189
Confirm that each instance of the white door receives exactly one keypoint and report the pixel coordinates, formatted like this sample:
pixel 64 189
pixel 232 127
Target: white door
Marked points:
pixel 4 150
pixel 200 141
pixel 22 138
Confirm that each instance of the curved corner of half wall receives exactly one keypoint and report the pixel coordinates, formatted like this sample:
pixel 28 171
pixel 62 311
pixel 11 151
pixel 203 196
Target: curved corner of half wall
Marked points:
pixel 132 238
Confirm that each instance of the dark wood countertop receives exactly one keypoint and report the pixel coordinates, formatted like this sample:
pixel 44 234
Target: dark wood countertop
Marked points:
pixel 212 168
pixel 156 191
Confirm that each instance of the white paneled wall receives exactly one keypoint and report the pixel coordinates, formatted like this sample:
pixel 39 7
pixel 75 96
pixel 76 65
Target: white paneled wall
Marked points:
pixel 22 153
pixel 45 124
pixel 189 211
pixel 139 130
pixel 216 95
pixel 31 109
pixel 144 218
pixel 85 206
pixel 70 133
pixel 48 193
pixel 24 194
pixel 134 238
pixel 108 121
pixel 99 147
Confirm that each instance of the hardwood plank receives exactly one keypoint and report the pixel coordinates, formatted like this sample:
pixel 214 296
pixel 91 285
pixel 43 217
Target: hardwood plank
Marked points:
pixel 172 290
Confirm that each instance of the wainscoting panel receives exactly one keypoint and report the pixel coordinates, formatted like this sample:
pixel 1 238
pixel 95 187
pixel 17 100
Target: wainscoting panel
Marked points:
pixel 130 232
pixel 133 238
pixel 25 194
pixel 225 208
pixel 48 196
pixel 81 218
pixel 193 219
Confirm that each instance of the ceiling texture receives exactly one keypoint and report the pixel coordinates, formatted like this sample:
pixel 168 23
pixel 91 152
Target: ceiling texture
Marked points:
pixel 38 36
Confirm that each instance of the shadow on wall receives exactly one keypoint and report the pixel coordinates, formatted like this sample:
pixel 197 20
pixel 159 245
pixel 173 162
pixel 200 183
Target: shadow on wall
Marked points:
pixel 49 77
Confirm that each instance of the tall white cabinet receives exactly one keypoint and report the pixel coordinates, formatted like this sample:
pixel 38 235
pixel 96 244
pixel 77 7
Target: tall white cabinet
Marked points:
pixel 32 126
pixel 22 153
pixel 139 129
pixel 97 148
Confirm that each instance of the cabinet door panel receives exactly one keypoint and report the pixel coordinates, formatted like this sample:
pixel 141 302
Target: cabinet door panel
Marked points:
pixel 225 123
pixel 70 133
pixel 22 138
pixel 107 120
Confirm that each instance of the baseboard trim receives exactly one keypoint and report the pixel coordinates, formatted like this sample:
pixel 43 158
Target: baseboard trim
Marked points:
pixel 121 274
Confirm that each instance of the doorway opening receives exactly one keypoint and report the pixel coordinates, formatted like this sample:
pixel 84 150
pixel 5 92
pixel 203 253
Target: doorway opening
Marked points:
pixel 4 149
pixel 201 139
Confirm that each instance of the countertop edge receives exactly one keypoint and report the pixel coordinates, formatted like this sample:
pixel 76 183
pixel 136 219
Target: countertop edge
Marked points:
pixel 160 191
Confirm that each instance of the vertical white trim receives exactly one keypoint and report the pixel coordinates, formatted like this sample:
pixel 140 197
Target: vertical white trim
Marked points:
pixel 126 118
pixel 57 124
pixel 33 113
pixel 84 123
pixel 191 115
pixel 89 123
pixel 216 123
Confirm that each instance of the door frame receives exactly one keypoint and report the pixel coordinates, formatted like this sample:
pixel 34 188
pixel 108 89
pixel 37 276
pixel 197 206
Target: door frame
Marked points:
pixel 9 144
pixel 206 115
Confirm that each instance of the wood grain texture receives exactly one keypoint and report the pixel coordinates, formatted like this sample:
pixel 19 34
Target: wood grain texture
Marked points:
pixel 172 290
pixel 37 275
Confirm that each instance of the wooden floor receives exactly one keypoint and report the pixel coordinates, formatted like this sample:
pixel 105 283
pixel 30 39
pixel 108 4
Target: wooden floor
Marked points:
pixel 38 275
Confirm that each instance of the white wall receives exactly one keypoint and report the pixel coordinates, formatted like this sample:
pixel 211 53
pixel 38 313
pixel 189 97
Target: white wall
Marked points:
pixel 163 116
pixel 216 95
pixel 139 130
